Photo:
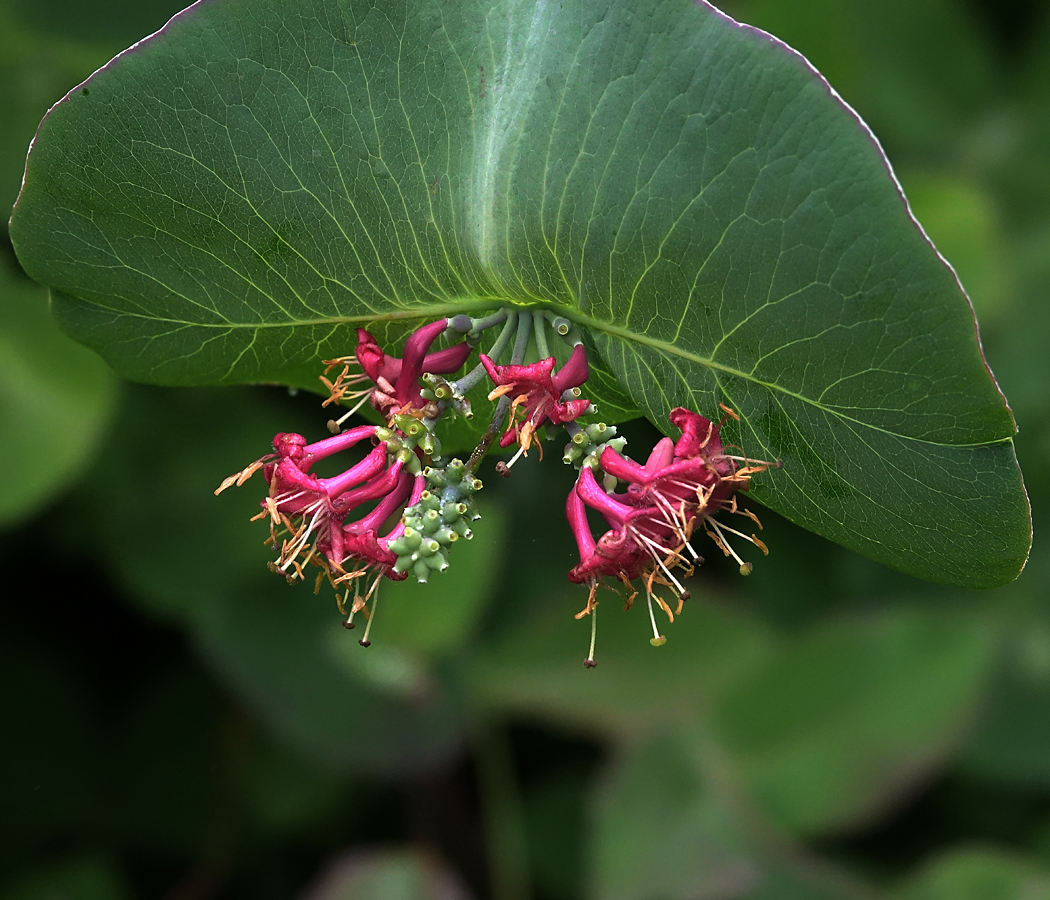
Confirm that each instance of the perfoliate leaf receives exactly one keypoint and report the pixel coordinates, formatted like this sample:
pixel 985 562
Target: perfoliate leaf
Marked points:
pixel 225 201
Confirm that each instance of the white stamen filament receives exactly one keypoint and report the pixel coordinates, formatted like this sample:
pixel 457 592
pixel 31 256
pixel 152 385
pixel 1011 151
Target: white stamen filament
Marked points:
pixel 300 539
pixel 516 456
pixel 658 557
pixel 652 616
pixel 741 534
pixel 594 631
pixel 702 493
pixel 353 608
pixel 372 613
pixel 723 542
pixel 357 406
pixel 678 524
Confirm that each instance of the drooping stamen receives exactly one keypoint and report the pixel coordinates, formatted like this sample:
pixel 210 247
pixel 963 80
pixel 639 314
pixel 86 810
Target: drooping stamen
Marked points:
pixel 752 539
pixel 335 425
pixel 290 550
pixel 655 596
pixel 752 466
pixel 748 513
pixel 516 456
pixel 589 662
pixel 729 414
pixel 356 606
pixel 590 600
pixel 657 640
pixel 365 642
pixel 720 540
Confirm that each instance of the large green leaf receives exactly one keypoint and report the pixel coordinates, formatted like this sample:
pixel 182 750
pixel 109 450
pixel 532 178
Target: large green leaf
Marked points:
pixel 224 201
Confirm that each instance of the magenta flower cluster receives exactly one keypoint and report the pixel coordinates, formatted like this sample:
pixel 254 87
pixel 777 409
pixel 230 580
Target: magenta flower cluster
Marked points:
pixel 400 508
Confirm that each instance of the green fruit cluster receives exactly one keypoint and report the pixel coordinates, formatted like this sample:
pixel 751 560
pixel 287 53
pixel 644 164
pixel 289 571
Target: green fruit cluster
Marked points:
pixel 439 519
pixel 588 444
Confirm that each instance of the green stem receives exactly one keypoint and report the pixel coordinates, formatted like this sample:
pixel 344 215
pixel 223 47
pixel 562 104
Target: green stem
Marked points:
pixel 539 329
pixel 521 341
pixel 480 325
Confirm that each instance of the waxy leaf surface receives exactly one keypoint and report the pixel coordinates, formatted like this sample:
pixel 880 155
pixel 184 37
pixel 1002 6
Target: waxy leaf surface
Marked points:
pixel 225 201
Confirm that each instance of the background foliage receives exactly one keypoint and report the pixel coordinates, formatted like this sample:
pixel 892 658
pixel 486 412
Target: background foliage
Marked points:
pixel 181 724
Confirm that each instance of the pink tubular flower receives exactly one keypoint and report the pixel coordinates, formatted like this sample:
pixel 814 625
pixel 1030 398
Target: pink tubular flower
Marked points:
pixel 650 524
pixel 309 515
pixel 540 391
pixel 393 383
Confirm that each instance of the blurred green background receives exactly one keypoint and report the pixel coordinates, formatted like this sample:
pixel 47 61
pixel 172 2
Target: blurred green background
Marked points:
pixel 177 723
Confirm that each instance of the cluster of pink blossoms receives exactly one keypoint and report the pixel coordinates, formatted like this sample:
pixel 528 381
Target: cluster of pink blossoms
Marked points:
pixel 399 509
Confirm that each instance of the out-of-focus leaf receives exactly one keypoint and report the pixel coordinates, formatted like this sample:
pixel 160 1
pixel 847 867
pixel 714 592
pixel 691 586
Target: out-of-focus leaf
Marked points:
pixel 843 720
pixel 919 72
pixel 221 204
pixel 659 833
pixel 978 873
pixel 535 668
pixel 283 791
pixel 36 69
pixel 387 875
pixel 108 21
pixel 1018 344
pixel 56 398
pixel 1010 743
pixel 79 878
pixel 961 218
pixel 1027 174
pixel 664 831
pixel 273 643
